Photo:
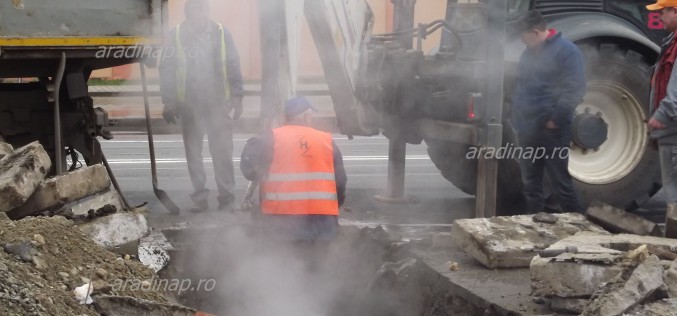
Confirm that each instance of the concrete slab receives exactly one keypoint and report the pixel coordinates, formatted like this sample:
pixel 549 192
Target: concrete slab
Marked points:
pixel 116 229
pixel 21 173
pixel 153 251
pixel 94 202
pixel 512 241
pixel 57 191
pixel 671 279
pixel 617 220
pixel 617 298
pixel 664 307
pixel 596 263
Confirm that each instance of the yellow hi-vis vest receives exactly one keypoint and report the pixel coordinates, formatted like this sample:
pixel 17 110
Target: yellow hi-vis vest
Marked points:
pixel 181 66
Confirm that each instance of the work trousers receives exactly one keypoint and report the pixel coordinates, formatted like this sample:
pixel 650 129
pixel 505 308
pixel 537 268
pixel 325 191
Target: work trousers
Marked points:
pixel 550 153
pixel 667 154
pixel 217 125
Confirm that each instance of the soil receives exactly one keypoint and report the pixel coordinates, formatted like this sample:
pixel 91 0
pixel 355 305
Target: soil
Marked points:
pixel 56 258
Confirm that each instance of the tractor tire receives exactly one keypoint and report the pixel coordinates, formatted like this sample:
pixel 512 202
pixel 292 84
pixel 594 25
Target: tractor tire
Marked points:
pixel 623 172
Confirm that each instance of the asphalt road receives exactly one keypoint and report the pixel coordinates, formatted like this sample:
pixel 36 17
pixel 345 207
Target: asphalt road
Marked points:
pixel 437 203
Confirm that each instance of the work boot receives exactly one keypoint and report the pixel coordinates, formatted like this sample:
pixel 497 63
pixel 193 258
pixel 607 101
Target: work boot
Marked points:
pixel 200 207
pixel 226 202
pixel 671 221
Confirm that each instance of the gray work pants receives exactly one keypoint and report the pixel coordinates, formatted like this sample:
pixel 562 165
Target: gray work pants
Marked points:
pixel 668 158
pixel 215 122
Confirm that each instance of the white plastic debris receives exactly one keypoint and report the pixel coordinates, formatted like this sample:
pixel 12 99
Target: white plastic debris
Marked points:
pixel 82 294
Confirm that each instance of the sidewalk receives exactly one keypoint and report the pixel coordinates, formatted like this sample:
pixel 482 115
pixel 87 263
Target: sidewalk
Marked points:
pixel 124 105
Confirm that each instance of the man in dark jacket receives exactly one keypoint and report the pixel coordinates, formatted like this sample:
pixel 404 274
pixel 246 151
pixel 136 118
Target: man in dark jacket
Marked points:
pixel 201 83
pixel 301 175
pixel 551 84
pixel 663 121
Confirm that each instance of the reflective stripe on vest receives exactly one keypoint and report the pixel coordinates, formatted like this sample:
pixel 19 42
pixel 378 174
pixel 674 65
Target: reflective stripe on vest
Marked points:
pixel 181 68
pixel 301 177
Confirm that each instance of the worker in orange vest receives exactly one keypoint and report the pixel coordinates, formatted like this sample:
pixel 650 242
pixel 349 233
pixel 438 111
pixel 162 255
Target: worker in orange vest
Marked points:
pixel 301 175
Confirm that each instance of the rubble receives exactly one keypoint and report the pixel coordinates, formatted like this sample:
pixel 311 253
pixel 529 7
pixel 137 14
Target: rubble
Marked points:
pixel 95 202
pixel 568 305
pixel 671 279
pixel 153 251
pixel 57 191
pixel 5 149
pixel 664 307
pixel 122 306
pixel 506 242
pixel 68 258
pixel 599 259
pixel 21 172
pixel 117 229
pixel 617 220
pixel 617 297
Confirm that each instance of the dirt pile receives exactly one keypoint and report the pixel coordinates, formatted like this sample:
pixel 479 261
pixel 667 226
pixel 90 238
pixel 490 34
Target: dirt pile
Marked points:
pixel 43 259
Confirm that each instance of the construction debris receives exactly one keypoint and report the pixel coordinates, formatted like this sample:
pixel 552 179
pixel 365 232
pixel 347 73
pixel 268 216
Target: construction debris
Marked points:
pixel 617 297
pixel 506 242
pixel 664 307
pixel 117 229
pixel 617 220
pixel 67 260
pixel 92 203
pixel 671 221
pixel 57 191
pixel 21 172
pixel 122 306
pixel 5 149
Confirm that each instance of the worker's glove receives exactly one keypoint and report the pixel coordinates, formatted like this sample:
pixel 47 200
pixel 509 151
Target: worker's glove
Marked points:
pixel 237 107
pixel 170 113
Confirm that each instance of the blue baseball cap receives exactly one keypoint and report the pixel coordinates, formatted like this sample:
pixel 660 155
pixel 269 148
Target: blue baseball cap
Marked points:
pixel 296 106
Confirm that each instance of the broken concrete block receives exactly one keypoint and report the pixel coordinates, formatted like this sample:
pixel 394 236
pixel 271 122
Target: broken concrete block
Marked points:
pixel 664 307
pixel 505 242
pixel 571 277
pixel 568 305
pixel 20 174
pixel 5 149
pixel 94 202
pixel 595 263
pixel 617 298
pixel 152 251
pixel 671 279
pixel 116 229
pixel 123 305
pixel 617 220
pixel 55 192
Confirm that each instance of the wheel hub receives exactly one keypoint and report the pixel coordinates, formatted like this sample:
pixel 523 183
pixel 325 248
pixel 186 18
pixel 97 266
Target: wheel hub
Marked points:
pixel 589 131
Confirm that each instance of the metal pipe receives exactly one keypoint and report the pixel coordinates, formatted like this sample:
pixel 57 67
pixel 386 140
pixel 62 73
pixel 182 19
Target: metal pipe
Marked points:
pixel 59 153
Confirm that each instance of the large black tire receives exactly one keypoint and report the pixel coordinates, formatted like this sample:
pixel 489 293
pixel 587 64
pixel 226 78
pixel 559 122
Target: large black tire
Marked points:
pixel 606 64
pixel 614 65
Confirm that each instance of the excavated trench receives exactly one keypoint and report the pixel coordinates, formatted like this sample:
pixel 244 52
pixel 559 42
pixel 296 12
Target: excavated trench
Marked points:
pixel 241 270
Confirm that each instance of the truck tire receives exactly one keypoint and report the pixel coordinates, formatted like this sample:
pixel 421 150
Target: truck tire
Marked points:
pixel 624 171
pixel 450 158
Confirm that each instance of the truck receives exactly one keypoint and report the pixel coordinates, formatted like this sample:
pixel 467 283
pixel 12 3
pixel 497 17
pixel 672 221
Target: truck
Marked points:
pixel 456 98
pixel 48 50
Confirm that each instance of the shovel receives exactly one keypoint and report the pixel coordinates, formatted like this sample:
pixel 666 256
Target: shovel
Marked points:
pixel 160 194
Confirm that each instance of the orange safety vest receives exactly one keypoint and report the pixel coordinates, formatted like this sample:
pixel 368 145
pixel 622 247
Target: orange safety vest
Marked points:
pixel 301 178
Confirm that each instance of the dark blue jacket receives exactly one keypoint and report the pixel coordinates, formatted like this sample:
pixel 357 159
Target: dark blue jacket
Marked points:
pixel 551 84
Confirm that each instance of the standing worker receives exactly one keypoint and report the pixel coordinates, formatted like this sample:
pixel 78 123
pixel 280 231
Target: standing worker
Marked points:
pixel 551 84
pixel 663 102
pixel 301 175
pixel 201 84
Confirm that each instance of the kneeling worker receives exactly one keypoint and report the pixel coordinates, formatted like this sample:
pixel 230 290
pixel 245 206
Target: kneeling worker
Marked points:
pixel 301 175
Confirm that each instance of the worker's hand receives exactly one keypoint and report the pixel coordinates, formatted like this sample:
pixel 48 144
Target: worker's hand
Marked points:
pixel 551 125
pixel 656 124
pixel 170 113
pixel 237 107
